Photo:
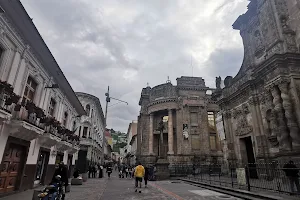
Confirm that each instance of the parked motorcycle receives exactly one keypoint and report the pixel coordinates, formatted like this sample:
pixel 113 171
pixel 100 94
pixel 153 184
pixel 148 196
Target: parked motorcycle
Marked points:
pixel 52 191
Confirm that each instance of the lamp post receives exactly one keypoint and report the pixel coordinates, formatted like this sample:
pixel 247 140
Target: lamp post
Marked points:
pixel 108 98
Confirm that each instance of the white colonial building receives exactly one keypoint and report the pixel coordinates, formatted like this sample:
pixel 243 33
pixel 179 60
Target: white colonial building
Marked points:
pixel 39 111
pixel 91 129
pixel 131 143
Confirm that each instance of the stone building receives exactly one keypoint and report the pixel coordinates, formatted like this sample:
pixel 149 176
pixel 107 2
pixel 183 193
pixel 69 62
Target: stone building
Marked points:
pixel 38 108
pixel 177 123
pixel 91 132
pixel 261 104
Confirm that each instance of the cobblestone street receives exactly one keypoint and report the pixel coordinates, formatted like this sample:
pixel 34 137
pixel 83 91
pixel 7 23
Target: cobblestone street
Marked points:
pixel 115 189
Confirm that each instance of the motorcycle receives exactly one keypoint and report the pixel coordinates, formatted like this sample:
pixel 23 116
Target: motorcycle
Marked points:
pixel 52 191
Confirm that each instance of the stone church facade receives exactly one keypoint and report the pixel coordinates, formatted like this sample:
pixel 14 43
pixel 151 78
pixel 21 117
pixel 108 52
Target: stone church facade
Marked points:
pixel 182 116
pixel 261 104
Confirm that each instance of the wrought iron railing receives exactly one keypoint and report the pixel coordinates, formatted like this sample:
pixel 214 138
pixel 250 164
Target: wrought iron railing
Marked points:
pixel 256 176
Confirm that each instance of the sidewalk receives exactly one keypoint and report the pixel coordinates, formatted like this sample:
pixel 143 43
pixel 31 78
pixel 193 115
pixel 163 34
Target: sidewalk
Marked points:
pixel 78 192
pixel 261 194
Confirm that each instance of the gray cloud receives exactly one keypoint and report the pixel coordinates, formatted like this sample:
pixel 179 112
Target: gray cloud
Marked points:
pixel 125 44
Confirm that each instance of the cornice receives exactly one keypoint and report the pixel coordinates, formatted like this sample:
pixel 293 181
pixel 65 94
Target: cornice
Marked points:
pixel 165 100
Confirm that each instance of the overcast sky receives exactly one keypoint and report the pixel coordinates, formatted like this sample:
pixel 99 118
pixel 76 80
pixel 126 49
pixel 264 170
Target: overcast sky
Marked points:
pixel 128 43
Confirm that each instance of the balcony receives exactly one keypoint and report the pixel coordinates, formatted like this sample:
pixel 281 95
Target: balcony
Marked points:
pixel 25 123
pixel 86 142
pixel 49 140
pixel 74 149
pixel 63 146
pixel 7 101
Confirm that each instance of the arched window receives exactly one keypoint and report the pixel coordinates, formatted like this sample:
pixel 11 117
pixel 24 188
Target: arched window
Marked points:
pixel 92 113
pixel 88 109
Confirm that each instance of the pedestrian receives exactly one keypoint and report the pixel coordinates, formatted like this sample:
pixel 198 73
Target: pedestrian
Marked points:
pixel 130 172
pixel 108 170
pixel 94 171
pixel 100 171
pixel 146 176
pixel 62 171
pixel 292 173
pixel 90 171
pixel 139 173
pixel 76 173
pixel 126 172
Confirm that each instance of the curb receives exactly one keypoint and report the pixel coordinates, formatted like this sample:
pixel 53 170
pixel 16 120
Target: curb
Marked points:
pixel 233 192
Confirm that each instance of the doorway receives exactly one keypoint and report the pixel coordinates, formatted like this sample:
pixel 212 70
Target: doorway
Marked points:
pixel 42 163
pixel 59 158
pixel 12 163
pixel 69 165
pixel 248 155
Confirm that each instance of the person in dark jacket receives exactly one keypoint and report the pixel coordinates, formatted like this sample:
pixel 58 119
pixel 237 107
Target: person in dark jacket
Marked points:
pixel 146 176
pixel 94 171
pixel 90 171
pixel 76 173
pixel 63 172
pixel 291 171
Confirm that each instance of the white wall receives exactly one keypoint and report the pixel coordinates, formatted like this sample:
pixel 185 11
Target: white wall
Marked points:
pixel 33 152
pixel 3 140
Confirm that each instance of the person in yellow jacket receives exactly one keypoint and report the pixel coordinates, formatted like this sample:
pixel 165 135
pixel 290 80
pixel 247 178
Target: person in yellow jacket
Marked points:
pixel 139 173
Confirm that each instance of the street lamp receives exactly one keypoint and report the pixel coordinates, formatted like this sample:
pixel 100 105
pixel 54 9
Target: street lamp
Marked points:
pixel 107 101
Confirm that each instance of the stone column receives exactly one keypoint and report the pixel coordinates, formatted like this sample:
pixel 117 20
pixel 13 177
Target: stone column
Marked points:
pixel 283 137
pixel 170 132
pixel 287 106
pixel 151 134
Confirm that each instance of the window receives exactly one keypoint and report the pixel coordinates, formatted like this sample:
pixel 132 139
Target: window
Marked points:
pixel 194 118
pixel 51 107
pixel 74 126
pixel 65 119
pixel 87 109
pixel 195 142
pixel 79 132
pixel 213 141
pixel 85 132
pixel 92 113
pixel 211 119
pixel 30 89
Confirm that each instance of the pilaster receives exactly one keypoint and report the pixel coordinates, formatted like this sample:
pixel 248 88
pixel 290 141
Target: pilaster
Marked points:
pixel 291 123
pixel 170 132
pixel 283 137
pixel 151 134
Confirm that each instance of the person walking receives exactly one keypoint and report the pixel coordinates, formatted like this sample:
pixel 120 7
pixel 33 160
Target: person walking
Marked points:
pixel 94 171
pixel 292 173
pixel 90 171
pixel 130 172
pixel 139 173
pixel 100 171
pixel 126 171
pixel 109 170
pixel 146 176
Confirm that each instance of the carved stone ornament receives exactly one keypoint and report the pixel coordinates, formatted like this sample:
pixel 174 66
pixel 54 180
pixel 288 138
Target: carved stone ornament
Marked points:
pixel 245 109
pixel 227 114
pixel 273 141
pixel 243 127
